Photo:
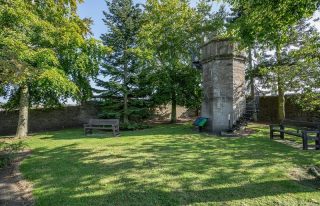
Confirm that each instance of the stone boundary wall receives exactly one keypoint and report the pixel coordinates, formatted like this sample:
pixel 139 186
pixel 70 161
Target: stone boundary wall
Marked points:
pixel 268 110
pixel 49 119
pixel 72 117
pixel 76 116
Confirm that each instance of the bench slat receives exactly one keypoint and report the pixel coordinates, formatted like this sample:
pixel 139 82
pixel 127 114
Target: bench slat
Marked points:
pixel 102 124
pixel 98 128
pixel 301 124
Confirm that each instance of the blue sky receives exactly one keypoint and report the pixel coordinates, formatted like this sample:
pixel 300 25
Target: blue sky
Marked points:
pixel 94 8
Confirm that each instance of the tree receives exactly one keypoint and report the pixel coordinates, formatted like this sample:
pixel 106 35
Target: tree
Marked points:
pixel 171 30
pixel 45 55
pixel 268 23
pixel 300 67
pixel 306 64
pixel 120 67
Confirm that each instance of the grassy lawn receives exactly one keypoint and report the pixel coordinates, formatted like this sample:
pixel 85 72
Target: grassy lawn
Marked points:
pixel 167 165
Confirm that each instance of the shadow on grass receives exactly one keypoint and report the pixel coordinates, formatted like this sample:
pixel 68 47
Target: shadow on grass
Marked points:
pixel 178 169
pixel 155 131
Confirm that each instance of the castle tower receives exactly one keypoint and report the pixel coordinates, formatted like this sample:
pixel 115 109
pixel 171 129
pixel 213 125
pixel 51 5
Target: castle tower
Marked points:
pixel 223 84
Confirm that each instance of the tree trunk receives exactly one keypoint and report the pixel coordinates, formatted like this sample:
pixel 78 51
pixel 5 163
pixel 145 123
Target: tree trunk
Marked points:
pixel 253 95
pixel 125 115
pixel 22 129
pixel 125 93
pixel 173 108
pixel 281 100
pixel 281 89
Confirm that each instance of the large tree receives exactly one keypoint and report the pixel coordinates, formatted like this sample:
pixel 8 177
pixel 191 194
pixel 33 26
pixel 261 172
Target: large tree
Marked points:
pixel 45 55
pixel 300 67
pixel 268 23
pixel 171 31
pixel 120 67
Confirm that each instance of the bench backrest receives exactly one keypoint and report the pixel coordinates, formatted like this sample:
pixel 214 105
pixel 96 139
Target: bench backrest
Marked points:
pixel 294 123
pixel 100 122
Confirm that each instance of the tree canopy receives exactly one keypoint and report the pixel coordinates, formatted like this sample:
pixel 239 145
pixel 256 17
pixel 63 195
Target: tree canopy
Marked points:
pixel 271 24
pixel 45 53
pixel 121 66
pixel 170 32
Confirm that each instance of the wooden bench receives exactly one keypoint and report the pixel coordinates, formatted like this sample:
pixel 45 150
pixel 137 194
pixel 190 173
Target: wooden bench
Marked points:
pixel 102 124
pixel 305 130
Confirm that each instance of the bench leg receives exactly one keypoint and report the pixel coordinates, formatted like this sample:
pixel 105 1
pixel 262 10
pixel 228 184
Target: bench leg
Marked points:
pixel 281 133
pixel 87 131
pixel 317 142
pixel 114 131
pixel 118 131
pixel 271 132
pixel 304 141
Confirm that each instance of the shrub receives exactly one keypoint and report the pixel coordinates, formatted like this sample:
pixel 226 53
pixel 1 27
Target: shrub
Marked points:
pixel 133 126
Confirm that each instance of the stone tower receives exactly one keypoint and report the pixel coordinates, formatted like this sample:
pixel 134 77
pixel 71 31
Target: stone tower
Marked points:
pixel 223 84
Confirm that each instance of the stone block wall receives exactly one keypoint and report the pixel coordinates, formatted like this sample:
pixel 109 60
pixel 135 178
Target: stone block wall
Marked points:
pixel 268 110
pixel 73 117
pixel 49 119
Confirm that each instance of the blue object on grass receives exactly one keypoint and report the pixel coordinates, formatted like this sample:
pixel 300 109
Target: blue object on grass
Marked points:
pixel 200 121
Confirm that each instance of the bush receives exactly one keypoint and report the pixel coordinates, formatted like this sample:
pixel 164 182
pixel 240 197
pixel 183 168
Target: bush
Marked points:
pixel 134 126
pixel 138 110
pixel 8 152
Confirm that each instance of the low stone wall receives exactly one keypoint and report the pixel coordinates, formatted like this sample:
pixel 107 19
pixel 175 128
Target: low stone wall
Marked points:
pixel 268 110
pixel 71 117
pixel 48 119
pixel 163 113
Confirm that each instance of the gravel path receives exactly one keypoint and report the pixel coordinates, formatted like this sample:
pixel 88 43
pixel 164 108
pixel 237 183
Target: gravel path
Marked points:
pixel 14 191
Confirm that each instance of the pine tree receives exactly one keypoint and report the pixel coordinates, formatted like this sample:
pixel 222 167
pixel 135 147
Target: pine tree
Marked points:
pixel 122 20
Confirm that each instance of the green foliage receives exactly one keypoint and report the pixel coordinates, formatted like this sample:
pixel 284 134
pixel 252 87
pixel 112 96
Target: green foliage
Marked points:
pixel 139 110
pixel 44 44
pixel 170 33
pixel 299 66
pixel 120 67
pixel 267 22
pixel 134 126
pixel 274 26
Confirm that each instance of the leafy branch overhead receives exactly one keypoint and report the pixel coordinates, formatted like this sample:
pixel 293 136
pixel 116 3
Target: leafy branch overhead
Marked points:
pixel 50 51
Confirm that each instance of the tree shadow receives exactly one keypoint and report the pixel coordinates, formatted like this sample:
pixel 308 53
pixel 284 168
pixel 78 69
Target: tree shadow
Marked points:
pixel 178 169
pixel 155 131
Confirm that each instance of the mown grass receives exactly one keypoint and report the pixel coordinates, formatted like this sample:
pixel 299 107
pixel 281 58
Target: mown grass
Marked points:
pixel 167 165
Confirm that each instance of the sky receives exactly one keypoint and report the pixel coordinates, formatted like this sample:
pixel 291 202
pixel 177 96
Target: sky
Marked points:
pixel 94 9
